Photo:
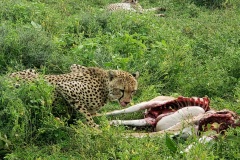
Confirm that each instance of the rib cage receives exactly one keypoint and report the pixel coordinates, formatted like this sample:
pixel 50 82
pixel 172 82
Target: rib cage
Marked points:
pixel 181 102
pixel 176 104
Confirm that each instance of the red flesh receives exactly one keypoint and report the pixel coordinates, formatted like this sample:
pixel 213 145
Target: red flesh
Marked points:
pixel 156 113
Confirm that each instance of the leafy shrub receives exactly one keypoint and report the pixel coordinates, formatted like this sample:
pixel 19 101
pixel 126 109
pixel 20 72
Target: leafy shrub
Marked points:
pixel 15 11
pixel 193 51
pixel 90 24
pixel 210 3
pixel 24 45
pixel 226 144
pixel 25 111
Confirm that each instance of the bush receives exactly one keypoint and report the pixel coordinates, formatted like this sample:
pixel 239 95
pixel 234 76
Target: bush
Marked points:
pixel 193 51
pixel 24 45
pixel 210 3
pixel 25 111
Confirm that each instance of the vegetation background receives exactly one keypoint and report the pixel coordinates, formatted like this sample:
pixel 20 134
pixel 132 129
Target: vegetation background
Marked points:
pixel 193 51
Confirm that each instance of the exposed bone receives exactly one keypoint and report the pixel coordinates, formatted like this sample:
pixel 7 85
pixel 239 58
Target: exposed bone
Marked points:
pixel 137 123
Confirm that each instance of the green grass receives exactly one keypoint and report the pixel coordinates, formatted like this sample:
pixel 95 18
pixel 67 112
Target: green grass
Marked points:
pixel 193 51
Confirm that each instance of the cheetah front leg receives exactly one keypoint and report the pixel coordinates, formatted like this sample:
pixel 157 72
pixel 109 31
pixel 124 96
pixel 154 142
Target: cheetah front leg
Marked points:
pixel 83 110
pixel 68 91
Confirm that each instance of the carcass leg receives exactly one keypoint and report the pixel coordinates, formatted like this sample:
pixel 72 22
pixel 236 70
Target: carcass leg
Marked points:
pixel 137 123
pixel 137 107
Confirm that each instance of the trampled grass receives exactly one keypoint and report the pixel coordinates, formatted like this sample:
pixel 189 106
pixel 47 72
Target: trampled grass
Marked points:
pixel 193 51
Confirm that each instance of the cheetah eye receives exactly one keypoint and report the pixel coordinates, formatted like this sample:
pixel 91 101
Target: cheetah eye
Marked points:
pixel 118 91
pixel 134 92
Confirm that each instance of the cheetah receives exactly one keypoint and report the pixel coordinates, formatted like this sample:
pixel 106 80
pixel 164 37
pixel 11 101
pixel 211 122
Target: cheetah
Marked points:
pixel 87 89
pixel 132 5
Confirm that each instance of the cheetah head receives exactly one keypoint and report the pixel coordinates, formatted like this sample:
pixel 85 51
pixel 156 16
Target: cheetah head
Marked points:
pixel 122 86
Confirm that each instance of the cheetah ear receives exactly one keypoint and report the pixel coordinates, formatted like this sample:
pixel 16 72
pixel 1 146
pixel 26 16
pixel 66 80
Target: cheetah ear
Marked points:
pixel 111 74
pixel 136 75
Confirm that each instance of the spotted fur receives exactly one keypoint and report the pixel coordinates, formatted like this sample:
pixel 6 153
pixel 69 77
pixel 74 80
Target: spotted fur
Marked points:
pixel 87 89
pixel 132 5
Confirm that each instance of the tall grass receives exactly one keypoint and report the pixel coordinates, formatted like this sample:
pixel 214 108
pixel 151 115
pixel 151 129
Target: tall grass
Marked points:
pixel 193 51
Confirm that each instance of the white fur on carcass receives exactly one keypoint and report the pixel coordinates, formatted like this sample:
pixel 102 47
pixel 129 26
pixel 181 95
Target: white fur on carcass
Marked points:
pixel 181 115
pixel 181 121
